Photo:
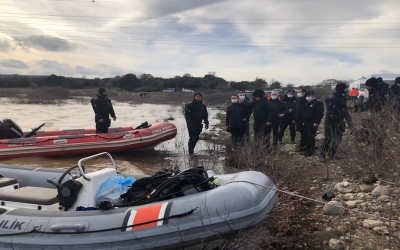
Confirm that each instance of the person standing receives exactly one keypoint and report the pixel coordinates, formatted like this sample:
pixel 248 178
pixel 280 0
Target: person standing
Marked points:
pixel 236 120
pixel 195 113
pixel 102 108
pixel 262 117
pixel 312 116
pixel 289 118
pixel 336 115
pixel 244 101
pixel 300 105
pixel 278 109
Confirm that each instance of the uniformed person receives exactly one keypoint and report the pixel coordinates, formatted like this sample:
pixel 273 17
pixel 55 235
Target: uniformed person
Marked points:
pixel 102 108
pixel 312 116
pixel 334 125
pixel 300 105
pixel 289 118
pixel 195 113
pixel 262 117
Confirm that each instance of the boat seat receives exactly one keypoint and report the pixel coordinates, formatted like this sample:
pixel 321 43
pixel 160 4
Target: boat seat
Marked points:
pixel 31 195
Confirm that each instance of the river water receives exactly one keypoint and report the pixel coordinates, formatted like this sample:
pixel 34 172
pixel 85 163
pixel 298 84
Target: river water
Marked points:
pixel 79 114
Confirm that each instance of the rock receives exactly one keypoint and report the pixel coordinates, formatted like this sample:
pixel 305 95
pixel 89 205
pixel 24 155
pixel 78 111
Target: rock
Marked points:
pixel 328 229
pixel 383 198
pixel 380 190
pixel 372 223
pixel 369 179
pixel 287 148
pixel 343 187
pixel 345 190
pixel 349 196
pixel 392 224
pixel 381 230
pixel 366 188
pixel 351 204
pixel 333 208
pixel 319 137
pixel 335 244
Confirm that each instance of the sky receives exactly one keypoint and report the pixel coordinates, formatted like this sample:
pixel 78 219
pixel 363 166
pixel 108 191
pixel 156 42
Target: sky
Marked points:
pixel 301 42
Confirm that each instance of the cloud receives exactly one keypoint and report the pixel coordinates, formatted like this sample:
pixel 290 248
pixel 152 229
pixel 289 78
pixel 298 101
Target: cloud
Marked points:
pixel 45 43
pixel 53 67
pixel 12 63
pixel 4 45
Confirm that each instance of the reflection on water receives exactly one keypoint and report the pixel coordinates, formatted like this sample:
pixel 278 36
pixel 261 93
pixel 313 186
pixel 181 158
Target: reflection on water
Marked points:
pixel 169 154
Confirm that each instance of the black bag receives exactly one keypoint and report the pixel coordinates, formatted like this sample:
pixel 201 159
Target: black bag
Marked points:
pixel 167 184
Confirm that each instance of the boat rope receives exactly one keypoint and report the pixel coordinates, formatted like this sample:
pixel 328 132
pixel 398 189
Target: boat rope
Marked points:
pixel 317 201
pixel 37 228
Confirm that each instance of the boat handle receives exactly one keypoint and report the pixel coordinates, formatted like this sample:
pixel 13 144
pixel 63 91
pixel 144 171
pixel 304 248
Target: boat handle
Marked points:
pixel 91 157
pixel 75 227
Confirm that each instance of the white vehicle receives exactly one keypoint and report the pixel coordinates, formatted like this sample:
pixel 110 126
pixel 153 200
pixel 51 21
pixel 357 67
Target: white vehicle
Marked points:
pixel 388 78
pixel 187 90
pixel 169 90
pixel 360 85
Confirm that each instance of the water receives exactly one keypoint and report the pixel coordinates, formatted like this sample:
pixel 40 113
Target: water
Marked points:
pixel 73 115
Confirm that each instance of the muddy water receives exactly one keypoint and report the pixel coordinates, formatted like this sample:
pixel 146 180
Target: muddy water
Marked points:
pixel 74 114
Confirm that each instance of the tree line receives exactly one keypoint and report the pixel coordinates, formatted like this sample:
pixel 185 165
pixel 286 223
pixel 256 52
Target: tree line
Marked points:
pixel 146 82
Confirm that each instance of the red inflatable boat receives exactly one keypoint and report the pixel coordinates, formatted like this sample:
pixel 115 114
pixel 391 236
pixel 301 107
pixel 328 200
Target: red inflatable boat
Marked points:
pixel 82 141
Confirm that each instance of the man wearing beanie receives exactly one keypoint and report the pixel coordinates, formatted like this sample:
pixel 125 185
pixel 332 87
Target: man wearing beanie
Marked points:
pixel 337 114
pixel 102 108
pixel 262 112
pixel 395 88
pixel 195 113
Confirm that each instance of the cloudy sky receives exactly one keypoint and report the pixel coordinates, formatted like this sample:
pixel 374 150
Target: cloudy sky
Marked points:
pixel 293 41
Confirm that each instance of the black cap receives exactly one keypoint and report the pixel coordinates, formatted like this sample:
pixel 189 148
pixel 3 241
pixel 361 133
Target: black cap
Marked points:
pixel 258 93
pixel 101 90
pixel 291 91
pixel 310 92
pixel 379 79
pixel 340 87
pixel 397 80
pixel 372 82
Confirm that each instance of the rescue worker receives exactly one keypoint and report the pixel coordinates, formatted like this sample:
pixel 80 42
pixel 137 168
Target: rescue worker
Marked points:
pixel 312 116
pixel 353 94
pixel 195 113
pixel 278 109
pixel 374 129
pixel 262 117
pixel 102 108
pixel 289 119
pixel 395 88
pixel 236 117
pixel 244 101
pixel 300 105
pixel 336 114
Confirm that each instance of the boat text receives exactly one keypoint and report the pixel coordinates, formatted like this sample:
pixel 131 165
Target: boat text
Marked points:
pixel 21 144
pixel 5 224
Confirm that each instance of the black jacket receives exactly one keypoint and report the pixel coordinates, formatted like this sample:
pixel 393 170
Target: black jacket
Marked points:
pixel 248 109
pixel 395 90
pixel 300 105
pixel 195 113
pixel 336 109
pixel 102 108
pixel 262 111
pixel 375 101
pixel 290 103
pixel 235 113
pixel 313 111
pixel 277 107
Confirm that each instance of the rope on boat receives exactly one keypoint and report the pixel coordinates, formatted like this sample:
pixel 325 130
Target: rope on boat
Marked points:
pixel 317 201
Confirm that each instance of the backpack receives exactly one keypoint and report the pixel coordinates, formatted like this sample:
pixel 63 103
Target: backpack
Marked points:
pixel 167 184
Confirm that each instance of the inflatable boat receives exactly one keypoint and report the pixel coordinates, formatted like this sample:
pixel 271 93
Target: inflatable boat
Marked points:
pixel 41 209
pixel 80 141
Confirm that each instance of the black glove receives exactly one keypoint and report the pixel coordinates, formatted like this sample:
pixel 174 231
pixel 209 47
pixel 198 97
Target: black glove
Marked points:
pixel 206 126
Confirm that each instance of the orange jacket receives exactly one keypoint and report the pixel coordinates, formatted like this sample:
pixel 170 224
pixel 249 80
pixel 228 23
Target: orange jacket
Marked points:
pixel 354 92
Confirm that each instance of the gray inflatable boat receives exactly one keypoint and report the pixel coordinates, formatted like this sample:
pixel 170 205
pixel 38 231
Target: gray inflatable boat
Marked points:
pixel 31 215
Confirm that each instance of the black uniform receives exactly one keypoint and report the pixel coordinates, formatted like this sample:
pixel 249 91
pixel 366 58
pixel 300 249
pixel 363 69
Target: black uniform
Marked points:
pixel 374 128
pixel 102 108
pixel 336 114
pixel 277 107
pixel 300 105
pixel 313 113
pixel 235 115
pixel 262 113
pixel 248 111
pixel 289 118
pixel 195 113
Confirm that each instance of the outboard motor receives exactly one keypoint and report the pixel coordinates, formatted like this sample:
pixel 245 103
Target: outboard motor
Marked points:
pixel 9 129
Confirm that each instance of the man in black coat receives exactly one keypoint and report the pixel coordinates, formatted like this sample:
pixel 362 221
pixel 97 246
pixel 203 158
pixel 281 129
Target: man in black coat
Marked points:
pixel 289 119
pixel 312 116
pixel 262 117
pixel 195 113
pixel 336 115
pixel 102 108
pixel 236 117
pixel 395 88
pixel 278 109
pixel 300 105
pixel 244 101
